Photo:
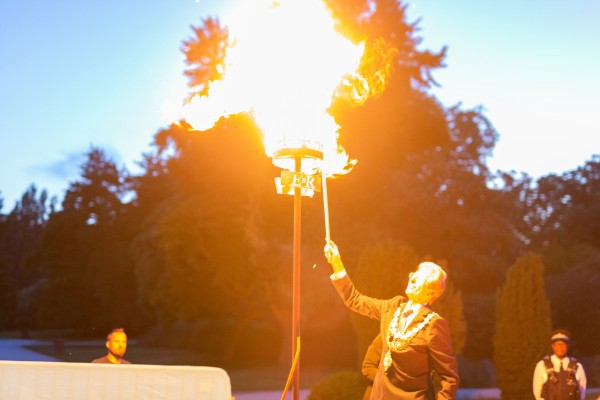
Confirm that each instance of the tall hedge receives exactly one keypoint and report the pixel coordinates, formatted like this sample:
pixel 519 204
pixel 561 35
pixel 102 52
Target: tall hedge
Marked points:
pixel 522 327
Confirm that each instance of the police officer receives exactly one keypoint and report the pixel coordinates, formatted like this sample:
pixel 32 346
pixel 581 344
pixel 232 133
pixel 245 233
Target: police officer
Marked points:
pixel 559 377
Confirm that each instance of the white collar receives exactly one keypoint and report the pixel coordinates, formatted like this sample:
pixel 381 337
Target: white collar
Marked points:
pixel 557 361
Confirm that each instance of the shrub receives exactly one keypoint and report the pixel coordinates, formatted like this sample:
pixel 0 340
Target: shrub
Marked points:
pixel 344 385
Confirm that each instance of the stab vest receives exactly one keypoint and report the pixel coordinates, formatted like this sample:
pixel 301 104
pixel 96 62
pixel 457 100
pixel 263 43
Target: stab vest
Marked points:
pixel 561 385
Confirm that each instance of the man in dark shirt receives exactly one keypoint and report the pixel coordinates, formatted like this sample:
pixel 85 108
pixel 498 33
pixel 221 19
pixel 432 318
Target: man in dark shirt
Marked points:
pixel 116 343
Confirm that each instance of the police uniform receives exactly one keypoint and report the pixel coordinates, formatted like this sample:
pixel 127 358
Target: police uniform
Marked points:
pixel 559 379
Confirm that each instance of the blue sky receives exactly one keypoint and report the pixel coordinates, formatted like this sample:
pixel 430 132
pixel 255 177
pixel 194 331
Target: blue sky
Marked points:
pixel 80 73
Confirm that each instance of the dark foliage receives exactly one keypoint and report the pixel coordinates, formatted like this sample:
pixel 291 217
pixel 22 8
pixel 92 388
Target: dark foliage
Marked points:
pixel 345 385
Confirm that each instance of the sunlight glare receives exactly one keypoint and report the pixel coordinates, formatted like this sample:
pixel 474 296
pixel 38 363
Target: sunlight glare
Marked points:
pixel 284 66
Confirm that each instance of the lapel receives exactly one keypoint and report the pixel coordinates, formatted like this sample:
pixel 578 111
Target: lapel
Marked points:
pixel 421 314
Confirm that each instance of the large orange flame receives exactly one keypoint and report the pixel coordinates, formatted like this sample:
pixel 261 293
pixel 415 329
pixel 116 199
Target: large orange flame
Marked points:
pixel 284 67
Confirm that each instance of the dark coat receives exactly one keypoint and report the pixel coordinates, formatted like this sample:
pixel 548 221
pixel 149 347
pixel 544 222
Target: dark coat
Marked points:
pixel 370 364
pixel 428 353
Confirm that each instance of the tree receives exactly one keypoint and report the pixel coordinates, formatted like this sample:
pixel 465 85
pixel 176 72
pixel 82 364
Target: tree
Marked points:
pixel 450 306
pixel 431 193
pixel 222 198
pixel 522 326
pixel 423 165
pixel 174 279
pixel 382 272
pixel 376 20
pixel 421 177
pixel 23 228
pixel 8 290
pixel 25 225
pixel 88 275
pixel 205 54
pixel 577 289
pixel 98 193
pixel 563 213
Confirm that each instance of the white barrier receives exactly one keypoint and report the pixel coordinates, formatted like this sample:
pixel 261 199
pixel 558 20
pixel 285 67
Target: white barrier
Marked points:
pixel 29 380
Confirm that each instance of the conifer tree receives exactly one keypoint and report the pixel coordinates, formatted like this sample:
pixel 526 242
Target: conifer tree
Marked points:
pixel 382 272
pixel 522 326
pixel 450 306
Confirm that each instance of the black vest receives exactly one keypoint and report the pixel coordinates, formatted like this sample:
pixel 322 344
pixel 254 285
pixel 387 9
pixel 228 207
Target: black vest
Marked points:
pixel 561 385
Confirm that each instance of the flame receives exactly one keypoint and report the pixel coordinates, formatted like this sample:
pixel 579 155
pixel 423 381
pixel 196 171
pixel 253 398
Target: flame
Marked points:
pixel 284 67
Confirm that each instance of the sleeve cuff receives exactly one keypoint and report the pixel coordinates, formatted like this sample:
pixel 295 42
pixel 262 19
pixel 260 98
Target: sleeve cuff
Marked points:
pixel 338 275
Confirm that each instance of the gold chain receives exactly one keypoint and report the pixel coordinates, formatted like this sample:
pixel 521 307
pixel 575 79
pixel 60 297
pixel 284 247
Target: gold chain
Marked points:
pixel 398 339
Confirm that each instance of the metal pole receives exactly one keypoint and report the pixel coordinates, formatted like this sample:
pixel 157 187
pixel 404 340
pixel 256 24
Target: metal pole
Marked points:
pixel 325 206
pixel 296 281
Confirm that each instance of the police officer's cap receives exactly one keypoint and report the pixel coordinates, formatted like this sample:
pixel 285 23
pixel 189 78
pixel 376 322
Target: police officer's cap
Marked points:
pixel 560 335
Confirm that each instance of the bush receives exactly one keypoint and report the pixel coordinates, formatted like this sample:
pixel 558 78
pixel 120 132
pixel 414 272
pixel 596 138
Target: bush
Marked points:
pixel 345 385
